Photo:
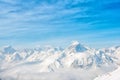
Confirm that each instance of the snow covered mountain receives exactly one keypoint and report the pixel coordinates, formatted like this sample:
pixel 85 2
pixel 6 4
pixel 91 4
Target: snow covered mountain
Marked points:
pixel 50 59
pixel 115 75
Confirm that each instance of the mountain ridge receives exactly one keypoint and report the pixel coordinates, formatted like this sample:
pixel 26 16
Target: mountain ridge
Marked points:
pixel 49 59
pixel 75 55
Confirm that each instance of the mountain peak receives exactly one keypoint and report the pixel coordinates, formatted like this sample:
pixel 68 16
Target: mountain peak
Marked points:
pixel 75 42
pixel 8 49
pixel 77 47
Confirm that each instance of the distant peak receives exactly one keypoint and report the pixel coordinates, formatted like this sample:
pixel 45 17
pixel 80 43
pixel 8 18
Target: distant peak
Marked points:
pixel 75 42
pixel 76 46
pixel 7 46
pixel 8 49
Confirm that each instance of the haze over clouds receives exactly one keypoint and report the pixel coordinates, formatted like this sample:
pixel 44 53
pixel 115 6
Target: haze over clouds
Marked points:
pixel 30 22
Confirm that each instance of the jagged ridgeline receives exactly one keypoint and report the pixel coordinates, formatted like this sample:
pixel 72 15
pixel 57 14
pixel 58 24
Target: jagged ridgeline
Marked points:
pixel 50 59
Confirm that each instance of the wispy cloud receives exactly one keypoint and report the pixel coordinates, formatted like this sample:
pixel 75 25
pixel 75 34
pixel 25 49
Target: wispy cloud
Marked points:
pixel 33 20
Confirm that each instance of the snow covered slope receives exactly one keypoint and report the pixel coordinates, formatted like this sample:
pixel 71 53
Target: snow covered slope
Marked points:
pixel 115 75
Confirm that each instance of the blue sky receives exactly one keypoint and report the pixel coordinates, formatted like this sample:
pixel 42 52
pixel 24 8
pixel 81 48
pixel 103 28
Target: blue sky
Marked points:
pixel 95 23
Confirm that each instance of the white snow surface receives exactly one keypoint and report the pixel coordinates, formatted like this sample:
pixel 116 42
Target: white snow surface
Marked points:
pixel 115 75
pixel 75 62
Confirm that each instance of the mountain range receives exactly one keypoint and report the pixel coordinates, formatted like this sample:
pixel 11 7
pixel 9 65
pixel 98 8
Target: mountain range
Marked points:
pixel 49 59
